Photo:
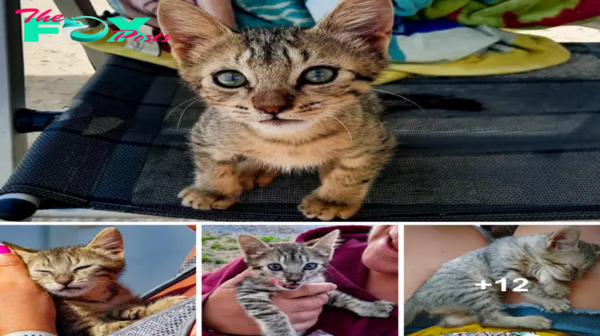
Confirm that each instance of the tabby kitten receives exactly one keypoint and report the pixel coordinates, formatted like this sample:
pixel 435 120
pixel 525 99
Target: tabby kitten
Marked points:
pixel 287 266
pixel 553 259
pixel 84 284
pixel 282 99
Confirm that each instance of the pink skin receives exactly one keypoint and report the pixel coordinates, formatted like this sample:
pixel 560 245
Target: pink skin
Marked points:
pixel 381 254
pixel 283 285
pixel 4 249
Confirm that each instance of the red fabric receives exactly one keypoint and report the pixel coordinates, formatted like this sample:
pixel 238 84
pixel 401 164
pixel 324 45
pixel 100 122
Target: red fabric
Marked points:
pixel 346 271
pixel 186 287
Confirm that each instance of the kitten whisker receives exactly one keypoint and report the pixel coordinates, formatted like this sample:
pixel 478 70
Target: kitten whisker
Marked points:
pixel 400 96
pixel 182 113
pixel 347 130
pixel 173 110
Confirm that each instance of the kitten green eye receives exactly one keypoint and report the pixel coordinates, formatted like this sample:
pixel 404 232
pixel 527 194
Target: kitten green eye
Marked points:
pixel 274 267
pixel 230 79
pixel 319 75
pixel 310 266
pixel 82 268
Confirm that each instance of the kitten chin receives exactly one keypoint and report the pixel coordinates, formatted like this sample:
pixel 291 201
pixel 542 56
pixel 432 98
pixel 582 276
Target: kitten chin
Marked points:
pixel 68 293
pixel 286 127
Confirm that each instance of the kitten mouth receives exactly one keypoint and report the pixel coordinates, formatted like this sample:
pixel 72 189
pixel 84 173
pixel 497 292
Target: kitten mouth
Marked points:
pixel 279 122
pixel 281 284
pixel 69 289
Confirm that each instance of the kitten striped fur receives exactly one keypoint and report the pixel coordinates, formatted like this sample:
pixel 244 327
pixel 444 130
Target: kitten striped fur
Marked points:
pixel 278 122
pixel 553 259
pixel 83 281
pixel 254 293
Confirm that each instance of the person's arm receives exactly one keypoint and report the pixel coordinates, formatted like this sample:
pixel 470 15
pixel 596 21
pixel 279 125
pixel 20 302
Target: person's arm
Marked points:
pixel 222 314
pixel 25 306
pixel 221 9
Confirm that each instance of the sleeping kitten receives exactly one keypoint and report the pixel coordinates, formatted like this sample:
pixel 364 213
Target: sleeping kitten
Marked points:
pixel 84 284
pixel 554 259
pixel 282 99
pixel 287 266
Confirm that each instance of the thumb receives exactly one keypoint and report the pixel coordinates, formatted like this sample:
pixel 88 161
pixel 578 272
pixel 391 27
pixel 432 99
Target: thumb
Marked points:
pixel 237 279
pixel 11 264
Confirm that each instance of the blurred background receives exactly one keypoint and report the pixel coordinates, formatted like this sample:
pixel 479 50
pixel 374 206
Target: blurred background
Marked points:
pixel 153 253
pixel 219 242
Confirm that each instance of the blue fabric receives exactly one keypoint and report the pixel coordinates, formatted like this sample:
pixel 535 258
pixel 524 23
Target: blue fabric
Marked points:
pixel 422 41
pixel 575 322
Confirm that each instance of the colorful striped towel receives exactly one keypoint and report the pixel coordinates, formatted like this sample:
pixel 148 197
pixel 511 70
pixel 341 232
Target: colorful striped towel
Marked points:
pixel 432 37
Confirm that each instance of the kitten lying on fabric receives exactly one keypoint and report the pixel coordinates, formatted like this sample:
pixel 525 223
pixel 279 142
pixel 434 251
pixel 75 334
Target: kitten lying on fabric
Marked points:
pixel 554 259
pixel 83 280
pixel 287 266
pixel 282 99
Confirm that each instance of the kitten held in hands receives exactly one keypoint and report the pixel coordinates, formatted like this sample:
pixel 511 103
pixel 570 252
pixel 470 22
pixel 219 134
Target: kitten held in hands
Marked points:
pixel 83 281
pixel 287 266
pixel 282 99
pixel 553 259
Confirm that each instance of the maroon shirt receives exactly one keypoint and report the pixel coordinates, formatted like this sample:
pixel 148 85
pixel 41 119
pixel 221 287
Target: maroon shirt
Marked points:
pixel 346 270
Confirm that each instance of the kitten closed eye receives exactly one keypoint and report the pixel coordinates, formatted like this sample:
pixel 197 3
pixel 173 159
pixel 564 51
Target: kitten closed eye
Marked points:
pixel 80 268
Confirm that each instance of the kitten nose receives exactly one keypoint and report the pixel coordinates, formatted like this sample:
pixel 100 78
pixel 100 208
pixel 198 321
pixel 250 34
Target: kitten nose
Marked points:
pixel 272 101
pixel 271 109
pixel 64 281
pixel 294 277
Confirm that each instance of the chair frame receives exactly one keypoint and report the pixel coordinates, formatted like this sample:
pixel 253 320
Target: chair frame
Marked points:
pixel 13 145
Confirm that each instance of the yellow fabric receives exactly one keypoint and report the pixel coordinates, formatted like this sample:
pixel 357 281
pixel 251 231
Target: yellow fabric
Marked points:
pixel 118 48
pixel 437 330
pixel 531 53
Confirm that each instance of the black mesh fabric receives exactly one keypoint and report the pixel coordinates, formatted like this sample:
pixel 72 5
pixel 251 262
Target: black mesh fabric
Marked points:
pixel 511 147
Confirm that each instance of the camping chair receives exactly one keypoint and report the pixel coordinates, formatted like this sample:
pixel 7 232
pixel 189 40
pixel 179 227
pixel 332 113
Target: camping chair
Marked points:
pixel 493 148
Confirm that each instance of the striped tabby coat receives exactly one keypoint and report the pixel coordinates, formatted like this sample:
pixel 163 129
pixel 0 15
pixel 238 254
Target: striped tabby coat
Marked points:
pixel 283 99
pixel 554 259
pixel 84 284
pixel 287 266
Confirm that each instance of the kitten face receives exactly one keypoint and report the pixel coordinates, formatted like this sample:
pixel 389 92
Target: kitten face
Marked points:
pixel 284 79
pixel 566 257
pixel 72 272
pixel 288 265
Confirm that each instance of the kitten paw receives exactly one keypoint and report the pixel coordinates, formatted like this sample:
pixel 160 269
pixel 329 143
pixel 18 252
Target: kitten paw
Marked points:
pixel 557 291
pixel 130 314
pixel 314 207
pixel 535 323
pixel 251 179
pixel 556 305
pixel 164 303
pixel 381 309
pixel 198 199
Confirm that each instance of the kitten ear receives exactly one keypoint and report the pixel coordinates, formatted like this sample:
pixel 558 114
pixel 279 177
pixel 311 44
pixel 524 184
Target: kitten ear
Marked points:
pixel 23 252
pixel 251 246
pixel 371 20
pixel 325 245
pixel 564 237
pixel 187 26
pixel 108 241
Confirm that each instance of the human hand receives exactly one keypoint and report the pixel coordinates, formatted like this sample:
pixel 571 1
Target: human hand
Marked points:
pixel 222 312
pixel 25 305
